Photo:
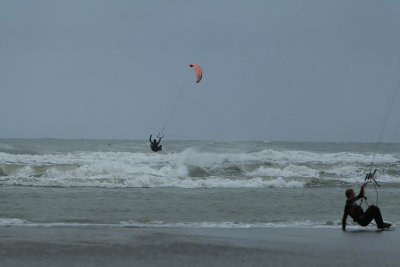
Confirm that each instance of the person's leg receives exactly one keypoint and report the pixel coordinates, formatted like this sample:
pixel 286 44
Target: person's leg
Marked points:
pixel 373 212
pixel 365 219
pixel 160 148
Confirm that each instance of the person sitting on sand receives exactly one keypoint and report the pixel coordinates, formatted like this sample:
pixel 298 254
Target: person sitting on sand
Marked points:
pixel 356 212
pixel 154 145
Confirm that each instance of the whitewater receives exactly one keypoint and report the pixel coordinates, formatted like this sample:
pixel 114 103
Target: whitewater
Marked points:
pixel 199 184
pixel 196 165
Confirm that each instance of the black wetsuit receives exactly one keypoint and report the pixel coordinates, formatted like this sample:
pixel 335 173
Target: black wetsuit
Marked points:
pixel 362 218
pixel 154 145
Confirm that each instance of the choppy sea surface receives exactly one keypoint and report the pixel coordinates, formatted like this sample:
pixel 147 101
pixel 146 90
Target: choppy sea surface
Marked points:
pixel 114 183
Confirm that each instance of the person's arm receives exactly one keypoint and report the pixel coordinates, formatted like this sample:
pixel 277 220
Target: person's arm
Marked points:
pixel 344 219
pixel 150 138
pixel 159 140
pixel 362 192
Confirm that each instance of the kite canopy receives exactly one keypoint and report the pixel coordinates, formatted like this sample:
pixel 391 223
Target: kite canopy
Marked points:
pixel 199 72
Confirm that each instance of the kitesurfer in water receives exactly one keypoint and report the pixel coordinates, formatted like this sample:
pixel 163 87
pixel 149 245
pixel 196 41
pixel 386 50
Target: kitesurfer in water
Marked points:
pixel 154 145
pixel 356 212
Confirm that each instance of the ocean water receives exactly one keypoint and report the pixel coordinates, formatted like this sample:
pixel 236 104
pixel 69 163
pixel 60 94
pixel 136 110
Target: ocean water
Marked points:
pixel 198 184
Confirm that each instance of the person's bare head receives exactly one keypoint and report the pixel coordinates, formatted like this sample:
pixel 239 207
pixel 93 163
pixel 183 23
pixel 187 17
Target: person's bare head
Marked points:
pixel 350 194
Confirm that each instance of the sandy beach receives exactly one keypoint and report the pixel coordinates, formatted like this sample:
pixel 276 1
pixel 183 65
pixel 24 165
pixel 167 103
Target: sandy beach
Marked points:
pixel 102 246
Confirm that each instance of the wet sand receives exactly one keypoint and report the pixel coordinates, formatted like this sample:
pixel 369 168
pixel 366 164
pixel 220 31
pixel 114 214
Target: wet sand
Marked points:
pixel 111 246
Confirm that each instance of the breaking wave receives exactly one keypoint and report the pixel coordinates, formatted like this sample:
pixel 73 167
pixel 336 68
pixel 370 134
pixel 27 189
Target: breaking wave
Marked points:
pixel 193 169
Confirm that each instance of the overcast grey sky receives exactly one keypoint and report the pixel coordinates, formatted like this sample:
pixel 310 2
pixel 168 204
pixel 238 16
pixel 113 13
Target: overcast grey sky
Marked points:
pixel 273 70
